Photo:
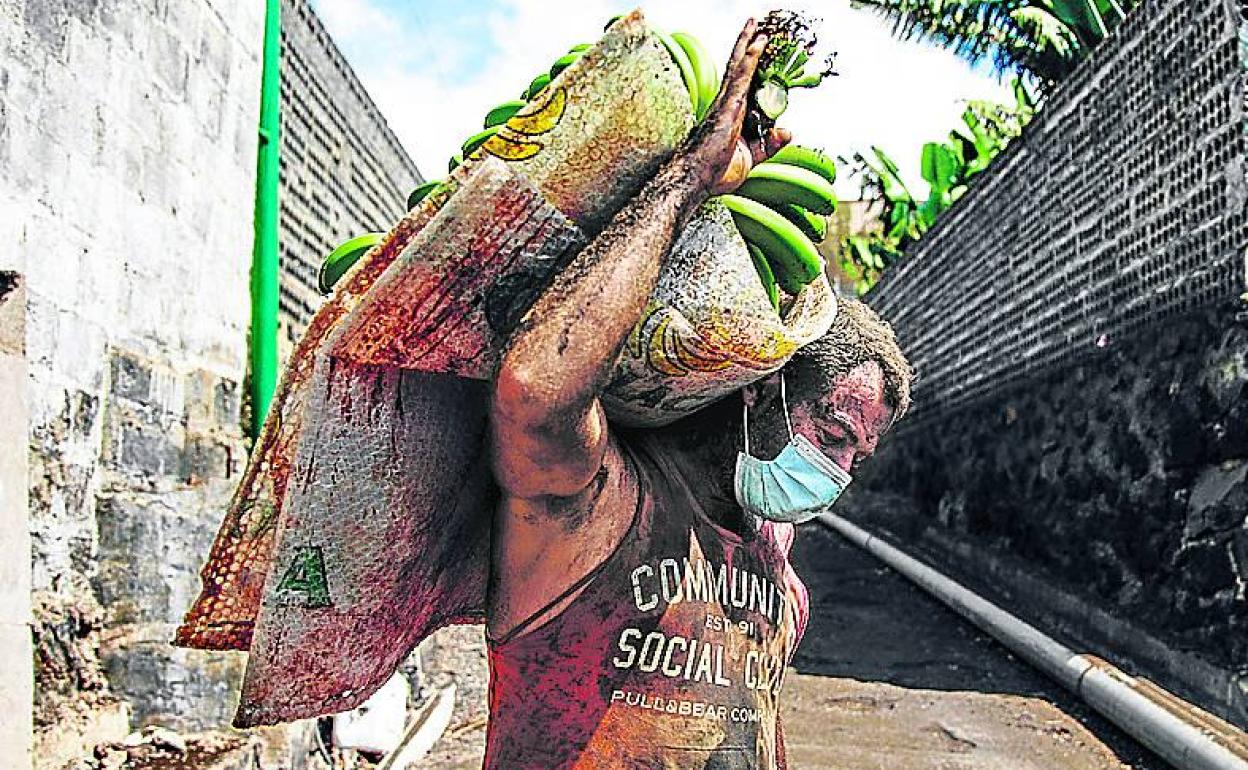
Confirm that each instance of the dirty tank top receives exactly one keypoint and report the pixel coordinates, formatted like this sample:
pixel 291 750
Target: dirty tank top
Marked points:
pixel 671 657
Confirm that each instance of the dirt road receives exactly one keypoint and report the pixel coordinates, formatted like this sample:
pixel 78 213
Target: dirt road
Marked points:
pixel 888 678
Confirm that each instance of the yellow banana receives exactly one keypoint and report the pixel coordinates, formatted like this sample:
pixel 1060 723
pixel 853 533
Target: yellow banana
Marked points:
pixel 540 116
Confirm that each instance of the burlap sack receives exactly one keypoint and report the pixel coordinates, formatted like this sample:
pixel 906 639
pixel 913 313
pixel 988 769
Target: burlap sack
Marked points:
pixel 384 531
pixel 628 61
pixel 319 640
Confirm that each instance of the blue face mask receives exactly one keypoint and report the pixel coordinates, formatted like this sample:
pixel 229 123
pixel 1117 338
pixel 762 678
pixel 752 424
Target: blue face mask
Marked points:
pixel 801 483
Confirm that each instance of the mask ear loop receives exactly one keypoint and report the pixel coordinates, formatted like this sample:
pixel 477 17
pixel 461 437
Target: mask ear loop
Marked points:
pixel 745 414
pixel 784 401
pixel 745 422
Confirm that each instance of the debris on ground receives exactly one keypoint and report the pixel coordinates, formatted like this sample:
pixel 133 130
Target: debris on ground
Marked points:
pixel 159 748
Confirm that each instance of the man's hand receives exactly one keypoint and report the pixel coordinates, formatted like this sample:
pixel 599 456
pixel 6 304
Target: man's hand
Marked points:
pixel 716 152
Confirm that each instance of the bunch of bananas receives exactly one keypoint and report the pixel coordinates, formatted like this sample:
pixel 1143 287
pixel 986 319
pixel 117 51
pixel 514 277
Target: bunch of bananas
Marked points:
pixel 697 69
pixel 786 63
pixel 780 211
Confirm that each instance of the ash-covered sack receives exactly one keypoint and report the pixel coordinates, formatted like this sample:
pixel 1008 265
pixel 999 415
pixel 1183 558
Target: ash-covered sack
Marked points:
pixel 361 523
pixel 709 328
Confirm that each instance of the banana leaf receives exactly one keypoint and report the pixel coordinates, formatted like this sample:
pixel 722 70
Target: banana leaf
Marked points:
pixel 1024 102
pixel 941 167
pixel 890 176
pixel 986 146
pixel 1081 16
pixel 1111 11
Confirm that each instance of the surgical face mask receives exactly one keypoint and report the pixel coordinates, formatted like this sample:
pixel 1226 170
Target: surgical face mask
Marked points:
pixel 801 483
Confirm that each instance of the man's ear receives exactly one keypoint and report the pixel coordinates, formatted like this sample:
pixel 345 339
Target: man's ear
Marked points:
pixel 763 392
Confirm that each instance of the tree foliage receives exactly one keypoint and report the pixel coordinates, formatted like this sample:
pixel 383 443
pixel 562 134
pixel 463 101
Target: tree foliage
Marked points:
pixel 1040 40
pixel 1043 38
pixel 947 167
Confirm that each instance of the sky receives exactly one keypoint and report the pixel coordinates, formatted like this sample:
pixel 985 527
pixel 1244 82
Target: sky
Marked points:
pixel 434 68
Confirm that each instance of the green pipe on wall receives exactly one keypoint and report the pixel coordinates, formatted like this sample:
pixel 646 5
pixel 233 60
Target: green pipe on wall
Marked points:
pixel 264 269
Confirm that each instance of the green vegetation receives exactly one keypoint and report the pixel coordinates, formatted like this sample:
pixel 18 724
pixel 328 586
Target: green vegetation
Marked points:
pixel 947 168
pixel 1038 40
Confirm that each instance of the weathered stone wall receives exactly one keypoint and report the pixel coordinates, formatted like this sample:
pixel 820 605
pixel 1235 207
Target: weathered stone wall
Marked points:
pixel 128 138
pixel 1122 480
pixel 1078 330
pixel 16 688
pixel 127 164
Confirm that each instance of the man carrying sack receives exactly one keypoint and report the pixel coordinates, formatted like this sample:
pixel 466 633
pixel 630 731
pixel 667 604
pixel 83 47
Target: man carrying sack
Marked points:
pixel 642 608
pixel 438 449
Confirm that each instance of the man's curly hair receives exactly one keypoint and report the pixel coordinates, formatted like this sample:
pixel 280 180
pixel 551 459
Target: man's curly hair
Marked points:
pixel 857 335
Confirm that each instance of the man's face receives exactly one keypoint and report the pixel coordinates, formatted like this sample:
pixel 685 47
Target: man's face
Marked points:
pixel 847 421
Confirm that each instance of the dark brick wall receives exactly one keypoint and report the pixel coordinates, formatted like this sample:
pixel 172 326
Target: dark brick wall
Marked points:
pixel 343 172
pixel 1077 323
pixel 1123 478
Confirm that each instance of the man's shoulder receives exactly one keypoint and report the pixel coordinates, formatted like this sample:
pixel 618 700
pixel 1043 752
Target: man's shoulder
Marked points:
pixel 614 486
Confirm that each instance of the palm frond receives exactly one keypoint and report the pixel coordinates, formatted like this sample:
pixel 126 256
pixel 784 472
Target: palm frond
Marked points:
pixel 972 29
pixel 1043 37
pixel 1047 31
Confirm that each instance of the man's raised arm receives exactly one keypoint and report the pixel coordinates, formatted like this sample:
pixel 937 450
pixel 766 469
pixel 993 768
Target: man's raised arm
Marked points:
pixel 549 430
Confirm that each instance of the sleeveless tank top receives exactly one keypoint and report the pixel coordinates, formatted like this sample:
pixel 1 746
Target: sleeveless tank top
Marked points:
pixel 672 655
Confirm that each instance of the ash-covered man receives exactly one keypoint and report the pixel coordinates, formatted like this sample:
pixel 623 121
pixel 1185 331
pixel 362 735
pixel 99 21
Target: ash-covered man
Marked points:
pixel 642 604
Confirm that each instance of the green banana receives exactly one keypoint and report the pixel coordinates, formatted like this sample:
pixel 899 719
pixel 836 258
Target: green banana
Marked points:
pixel 477 139
pixel 807 158
pixel 580 48
pixel 562 63
pixel 342 258
pixel 421 192
pixel 538 84
pixel 776 184
pixel 807 81
pixel 813 226
pixel 455 162
pixel 793 258
pixel 704 71
pixel 683 64
pixel 503 112
pixel 765 275
pixel 772 97
pixel 797 63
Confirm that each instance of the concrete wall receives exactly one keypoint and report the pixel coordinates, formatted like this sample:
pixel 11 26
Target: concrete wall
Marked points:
pixel 1077 323
pixel 128 138
pixel 127 162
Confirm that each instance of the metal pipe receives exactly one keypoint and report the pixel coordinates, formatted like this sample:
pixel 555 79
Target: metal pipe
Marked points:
pixel 264 275
pixel 1182 734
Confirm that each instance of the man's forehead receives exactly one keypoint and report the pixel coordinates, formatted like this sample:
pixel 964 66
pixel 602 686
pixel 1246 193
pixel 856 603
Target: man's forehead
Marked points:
pixel 861 395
